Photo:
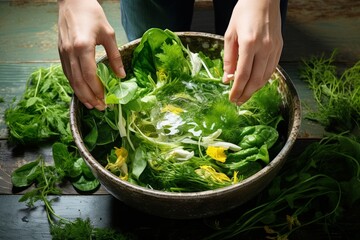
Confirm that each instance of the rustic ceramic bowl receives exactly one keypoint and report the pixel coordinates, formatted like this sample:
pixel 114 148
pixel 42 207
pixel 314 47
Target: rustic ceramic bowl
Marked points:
pixel 196 204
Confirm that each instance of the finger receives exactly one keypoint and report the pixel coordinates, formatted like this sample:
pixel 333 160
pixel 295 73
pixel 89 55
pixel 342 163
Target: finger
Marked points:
pixel 88 72
pixel 230 57
pixel 64 58
pixel 243 72
pixel 277 59
pixel 65 64
pixel 271 65
pixel 257 78
pixel 82 89
pixel 113 54
pixel 270 68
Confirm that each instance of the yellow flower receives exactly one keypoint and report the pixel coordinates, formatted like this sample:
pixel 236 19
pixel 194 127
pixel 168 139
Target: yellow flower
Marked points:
pixel 120 164
pixel 209 172
pixel 121 153
pixel 172 109
pixel 217 153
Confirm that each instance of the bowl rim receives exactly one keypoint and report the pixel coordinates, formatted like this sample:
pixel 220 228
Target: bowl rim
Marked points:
pixel 273 164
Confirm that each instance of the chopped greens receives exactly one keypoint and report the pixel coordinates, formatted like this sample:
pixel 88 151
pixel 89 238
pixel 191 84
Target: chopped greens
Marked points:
pixel 170 126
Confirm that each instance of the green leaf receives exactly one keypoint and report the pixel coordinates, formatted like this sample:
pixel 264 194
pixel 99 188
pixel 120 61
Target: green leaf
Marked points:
pixel 25 175
pixel 76 170
pixel 256 136
pixel 31 101
pixel 91 138
pixel 85 169
pixel 60 154
pixel 85 185
pixel 103 74
pixel 139 163
pixel 121 93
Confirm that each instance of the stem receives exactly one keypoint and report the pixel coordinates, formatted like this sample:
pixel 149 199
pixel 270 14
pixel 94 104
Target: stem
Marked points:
pixel 38 82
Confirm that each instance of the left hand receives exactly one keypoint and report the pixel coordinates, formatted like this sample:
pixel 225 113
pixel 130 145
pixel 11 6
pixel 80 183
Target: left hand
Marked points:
pixel 253 46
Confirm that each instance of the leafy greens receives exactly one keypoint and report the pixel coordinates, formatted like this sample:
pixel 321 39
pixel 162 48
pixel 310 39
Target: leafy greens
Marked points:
pixel 337 93
pixel 170 126
pixel 42 112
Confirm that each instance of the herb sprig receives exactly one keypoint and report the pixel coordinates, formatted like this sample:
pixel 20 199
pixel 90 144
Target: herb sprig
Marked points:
pixel 337 93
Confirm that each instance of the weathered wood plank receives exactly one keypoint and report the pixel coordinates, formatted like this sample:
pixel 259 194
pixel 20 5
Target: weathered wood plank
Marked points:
pixel 315 27
pixel 28 30
pixel 108 212
pixel 24 223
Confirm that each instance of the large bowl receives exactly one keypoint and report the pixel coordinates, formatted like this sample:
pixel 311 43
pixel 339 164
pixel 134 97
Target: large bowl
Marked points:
pixel 195 204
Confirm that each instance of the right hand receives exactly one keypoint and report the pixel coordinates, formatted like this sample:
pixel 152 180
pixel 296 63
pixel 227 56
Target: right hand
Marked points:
pixel 83 25
pixel 252 47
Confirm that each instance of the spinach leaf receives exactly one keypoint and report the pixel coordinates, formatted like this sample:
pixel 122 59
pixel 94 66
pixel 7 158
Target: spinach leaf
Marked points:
pixel 258 135
pixel 64 160
pixel 86 185
pixel 25 175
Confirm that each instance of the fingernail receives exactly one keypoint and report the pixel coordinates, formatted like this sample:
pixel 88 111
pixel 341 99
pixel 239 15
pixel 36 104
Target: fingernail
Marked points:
pixel 234 100
pixel 122 72
pixel 88 105
pixel 100 106
pixel 227 77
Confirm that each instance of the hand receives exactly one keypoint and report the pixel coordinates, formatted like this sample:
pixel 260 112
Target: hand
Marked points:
pixel 253 45
pixel 83 25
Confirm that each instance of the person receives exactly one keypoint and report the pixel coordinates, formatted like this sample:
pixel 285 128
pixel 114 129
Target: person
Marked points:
pixel 252 31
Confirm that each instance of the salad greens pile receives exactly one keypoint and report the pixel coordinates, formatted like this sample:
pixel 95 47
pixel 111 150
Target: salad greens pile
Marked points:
pixel 42 112
pixel 337 93
pixel 42 116
pixel 170 126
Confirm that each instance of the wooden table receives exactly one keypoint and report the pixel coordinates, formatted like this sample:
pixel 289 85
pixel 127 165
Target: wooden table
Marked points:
pixel 28 40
